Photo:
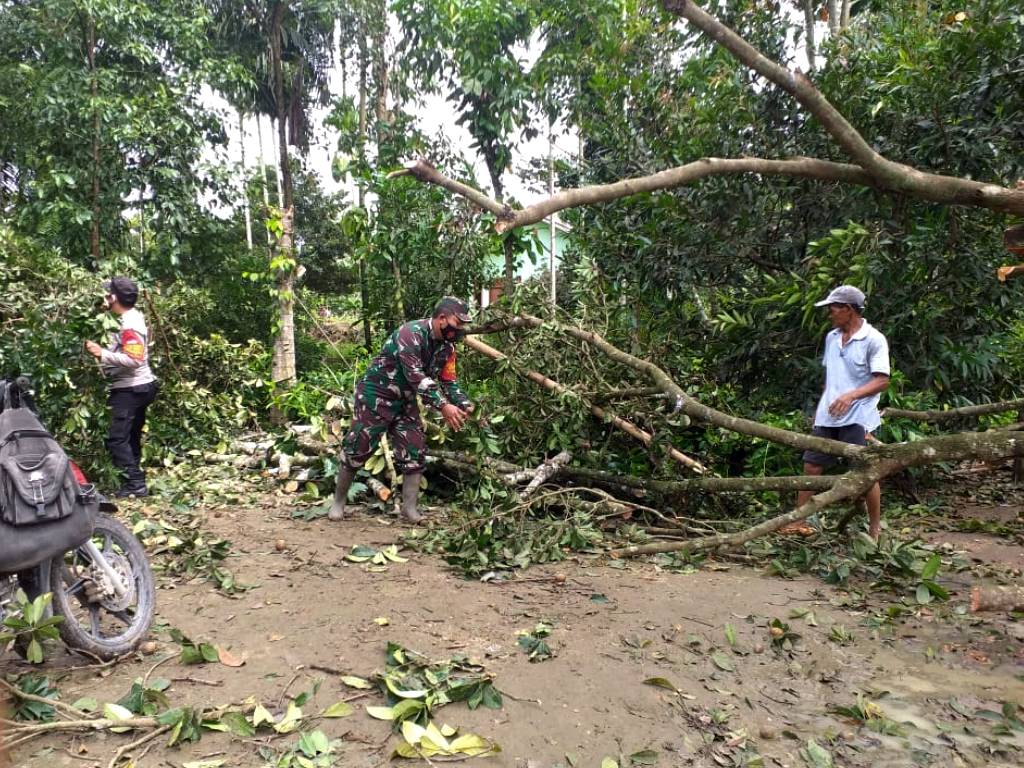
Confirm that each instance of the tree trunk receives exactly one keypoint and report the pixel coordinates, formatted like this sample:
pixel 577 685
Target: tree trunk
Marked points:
pixel 263 177
pixel 364 276
pixel 1002 599
pixel 283 372
pixel 844 16
pixel 245 181
pixel 833 16
pixel 809 32
pixel 94 229
pixel 507 245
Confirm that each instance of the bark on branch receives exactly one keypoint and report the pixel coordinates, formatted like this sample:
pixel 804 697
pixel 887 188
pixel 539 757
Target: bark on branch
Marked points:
pixel 997 599
pixel 664 488
pixel 954 413
pixel 684 402
pixel 626 426
pixel 887 174
pixel 880 461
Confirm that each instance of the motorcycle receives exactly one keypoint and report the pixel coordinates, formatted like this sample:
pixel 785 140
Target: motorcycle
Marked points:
pixel 103 587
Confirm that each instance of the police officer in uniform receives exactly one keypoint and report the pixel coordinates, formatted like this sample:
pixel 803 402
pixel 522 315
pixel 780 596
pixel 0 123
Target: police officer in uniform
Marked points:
pixel 133 387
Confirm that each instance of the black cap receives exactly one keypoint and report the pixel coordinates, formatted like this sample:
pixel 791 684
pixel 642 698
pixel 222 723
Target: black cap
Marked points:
pixel 123 289
pixel 449 305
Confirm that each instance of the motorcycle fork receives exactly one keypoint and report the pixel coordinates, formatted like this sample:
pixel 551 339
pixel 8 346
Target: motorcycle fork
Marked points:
pixel 98 559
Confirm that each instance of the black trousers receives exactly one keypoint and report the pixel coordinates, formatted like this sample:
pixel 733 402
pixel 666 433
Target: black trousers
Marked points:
pixel 124 440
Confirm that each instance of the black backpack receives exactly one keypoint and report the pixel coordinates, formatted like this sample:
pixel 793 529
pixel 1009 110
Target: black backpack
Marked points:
pixel 44 511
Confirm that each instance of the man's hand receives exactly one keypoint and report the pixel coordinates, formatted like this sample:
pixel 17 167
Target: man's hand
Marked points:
pixel 454 415
pixel 841 405
pixel 94 349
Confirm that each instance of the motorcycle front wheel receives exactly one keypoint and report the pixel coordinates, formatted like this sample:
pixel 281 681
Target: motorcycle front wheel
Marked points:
pixel 99 618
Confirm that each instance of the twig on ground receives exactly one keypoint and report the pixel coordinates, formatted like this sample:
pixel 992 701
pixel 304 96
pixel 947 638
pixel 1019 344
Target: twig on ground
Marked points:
pixel 122 751
pixel 145 678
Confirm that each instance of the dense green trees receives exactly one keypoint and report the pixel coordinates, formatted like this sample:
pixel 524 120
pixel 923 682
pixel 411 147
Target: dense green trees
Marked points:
pixel 106 164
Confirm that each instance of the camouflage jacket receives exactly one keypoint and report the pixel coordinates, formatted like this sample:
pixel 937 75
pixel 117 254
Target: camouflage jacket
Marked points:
pixel 412 362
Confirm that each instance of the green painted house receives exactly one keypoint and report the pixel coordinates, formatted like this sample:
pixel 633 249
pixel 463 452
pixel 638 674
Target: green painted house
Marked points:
pixel 528 269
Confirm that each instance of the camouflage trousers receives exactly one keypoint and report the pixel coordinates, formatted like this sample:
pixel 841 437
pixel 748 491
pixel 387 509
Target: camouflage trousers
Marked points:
pixel 390 412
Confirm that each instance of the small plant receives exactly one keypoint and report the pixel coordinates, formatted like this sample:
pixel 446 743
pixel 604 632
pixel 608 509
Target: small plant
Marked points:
pixel 840 635
pixel 29 626
pixel 36 711
pixel 870 714
pixel 782 637
pixel 534 642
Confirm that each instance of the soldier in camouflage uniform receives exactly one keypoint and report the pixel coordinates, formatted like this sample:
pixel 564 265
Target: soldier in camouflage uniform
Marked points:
pixel 418 359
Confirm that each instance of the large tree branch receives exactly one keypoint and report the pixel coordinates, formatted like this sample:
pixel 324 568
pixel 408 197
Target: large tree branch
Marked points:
pixel 871 169
pixel 880 461
pixel 510 218
pixel 890 175
pixel 971 411
pixel 425 172
pixel 683 401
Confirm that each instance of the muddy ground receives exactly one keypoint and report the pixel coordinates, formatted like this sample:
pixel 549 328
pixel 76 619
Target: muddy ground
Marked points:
pixel 311 614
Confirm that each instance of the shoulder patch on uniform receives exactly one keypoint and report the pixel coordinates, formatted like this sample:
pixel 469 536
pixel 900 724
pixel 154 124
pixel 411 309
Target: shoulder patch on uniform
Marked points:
pixel 132 344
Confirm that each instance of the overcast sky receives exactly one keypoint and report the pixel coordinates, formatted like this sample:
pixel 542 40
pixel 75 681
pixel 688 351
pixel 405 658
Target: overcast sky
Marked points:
pixel 435 116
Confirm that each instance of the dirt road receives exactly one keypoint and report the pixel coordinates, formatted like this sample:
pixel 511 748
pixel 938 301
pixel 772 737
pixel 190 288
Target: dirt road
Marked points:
pixel 311 614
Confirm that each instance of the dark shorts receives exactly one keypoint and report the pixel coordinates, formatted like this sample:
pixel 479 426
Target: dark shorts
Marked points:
pixel 851 433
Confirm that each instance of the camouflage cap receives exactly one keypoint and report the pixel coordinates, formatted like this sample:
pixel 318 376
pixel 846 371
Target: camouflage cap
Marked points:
pixel 450 305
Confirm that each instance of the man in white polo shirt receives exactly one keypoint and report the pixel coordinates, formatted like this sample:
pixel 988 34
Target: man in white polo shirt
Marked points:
pixel 856 365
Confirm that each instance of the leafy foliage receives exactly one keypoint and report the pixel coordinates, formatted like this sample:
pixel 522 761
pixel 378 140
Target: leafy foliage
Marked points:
pixel 26 622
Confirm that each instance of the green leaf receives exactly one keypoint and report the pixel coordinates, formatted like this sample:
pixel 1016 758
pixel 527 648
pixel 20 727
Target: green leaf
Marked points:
pixel 609 762
pixel 923 595
pixel 356 682
pixel 730 634
pixel 661 682
pixel 931 568
pixel 34 653
pixel 816 756
pixel 381 713
pixel 936 590
pixel 86 704
pixel 722 661
pixel 238 724
pixel 261 715
pixel 291 720
pixel 339 709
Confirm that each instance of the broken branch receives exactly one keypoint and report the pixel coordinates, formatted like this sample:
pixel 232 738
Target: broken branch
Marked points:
pixel 626 426
pixel 953 413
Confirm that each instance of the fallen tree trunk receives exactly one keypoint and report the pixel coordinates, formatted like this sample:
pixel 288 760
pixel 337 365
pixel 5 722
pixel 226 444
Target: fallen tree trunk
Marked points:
pixel 878 462
pixel 667 488
pixel 998 599
pixel 937 416
pixel 628 427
